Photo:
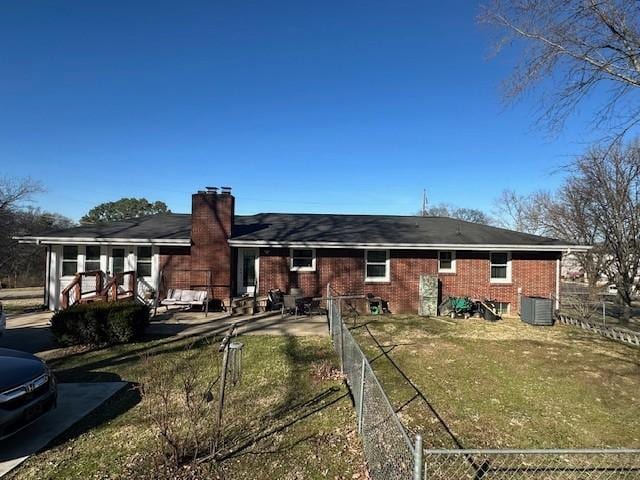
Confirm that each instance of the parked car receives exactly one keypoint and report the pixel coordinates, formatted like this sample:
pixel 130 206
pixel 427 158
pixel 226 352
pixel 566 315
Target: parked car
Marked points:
pixel 612 289
pixel 3 320
pixel 28 390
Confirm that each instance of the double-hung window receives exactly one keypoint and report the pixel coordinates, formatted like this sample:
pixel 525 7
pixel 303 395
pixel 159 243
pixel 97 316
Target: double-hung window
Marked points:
pixel 447 261
pixel 92 258
pixel 143 262
pixel 302 260
pixel 69 260
pixel 376 265
pixel 500 267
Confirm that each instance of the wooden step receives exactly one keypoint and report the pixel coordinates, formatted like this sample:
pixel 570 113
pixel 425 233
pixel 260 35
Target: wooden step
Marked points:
pixel 242 310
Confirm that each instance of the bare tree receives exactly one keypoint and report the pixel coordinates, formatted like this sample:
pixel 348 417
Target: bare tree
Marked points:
pixel 519 212
pixel 20 262
pixel 566 215
pixel 582 46
pixel 607 182
pixel 15 192
pixel 563 215
pixel 446 210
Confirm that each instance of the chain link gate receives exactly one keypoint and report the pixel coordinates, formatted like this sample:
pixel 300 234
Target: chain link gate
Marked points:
pixel 390 453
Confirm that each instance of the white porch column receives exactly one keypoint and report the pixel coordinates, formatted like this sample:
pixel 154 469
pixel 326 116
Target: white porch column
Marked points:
pixel 54 277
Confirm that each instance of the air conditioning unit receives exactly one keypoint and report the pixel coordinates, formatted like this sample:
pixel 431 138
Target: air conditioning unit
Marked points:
pixel 536 310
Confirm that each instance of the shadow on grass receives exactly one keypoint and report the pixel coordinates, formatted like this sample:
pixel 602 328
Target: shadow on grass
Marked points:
pixel 299 404
pixel 119 356
pixel 123 401
pixel 418 394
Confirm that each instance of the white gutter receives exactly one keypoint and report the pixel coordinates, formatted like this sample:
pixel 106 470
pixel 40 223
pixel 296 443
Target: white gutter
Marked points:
pixel 411 246
pixel 173 242
pixel 273 244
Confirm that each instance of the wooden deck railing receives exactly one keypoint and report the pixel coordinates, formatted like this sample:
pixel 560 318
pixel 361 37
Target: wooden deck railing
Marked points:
pixel 112 291
pixel 72 293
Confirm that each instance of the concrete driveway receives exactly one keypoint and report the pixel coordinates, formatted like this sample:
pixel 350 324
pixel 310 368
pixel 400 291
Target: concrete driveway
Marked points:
pixel 28 332
pixel 75 401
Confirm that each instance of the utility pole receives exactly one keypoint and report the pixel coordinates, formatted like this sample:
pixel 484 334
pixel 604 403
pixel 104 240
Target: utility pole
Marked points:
pixel 424 202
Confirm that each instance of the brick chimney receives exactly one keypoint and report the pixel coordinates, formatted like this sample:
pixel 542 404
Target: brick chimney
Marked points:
pixel 212 218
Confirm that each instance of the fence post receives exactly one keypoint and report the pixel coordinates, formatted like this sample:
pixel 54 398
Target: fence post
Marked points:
pixel 417 458
pixel 361 404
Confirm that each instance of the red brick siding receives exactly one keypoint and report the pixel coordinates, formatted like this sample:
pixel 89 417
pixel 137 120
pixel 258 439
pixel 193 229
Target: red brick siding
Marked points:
pixel 344 268
pixel 175 264
pixel 212 217
pixel 534 272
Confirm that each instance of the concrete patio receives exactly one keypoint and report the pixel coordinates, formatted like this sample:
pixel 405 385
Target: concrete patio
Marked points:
pixel 193 323
pixel 30 332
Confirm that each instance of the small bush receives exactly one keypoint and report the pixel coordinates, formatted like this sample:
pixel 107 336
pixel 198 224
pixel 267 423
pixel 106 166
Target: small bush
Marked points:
pixel 100 323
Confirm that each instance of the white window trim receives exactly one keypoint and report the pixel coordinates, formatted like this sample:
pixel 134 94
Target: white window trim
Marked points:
pixel 79 261
pixel 387 264
pixel 453 262
pixel 149 262
pixel 312 268
pixel 84 258
pixel 501 280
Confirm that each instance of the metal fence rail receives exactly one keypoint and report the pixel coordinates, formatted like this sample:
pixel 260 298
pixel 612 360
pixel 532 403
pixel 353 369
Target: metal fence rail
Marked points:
pixel 390 453
pixel 532 464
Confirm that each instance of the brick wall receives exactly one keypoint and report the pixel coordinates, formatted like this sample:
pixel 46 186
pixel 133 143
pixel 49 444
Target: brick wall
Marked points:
pixel 344 269
pixel 212 217
pixel 534 272
pixel 175 264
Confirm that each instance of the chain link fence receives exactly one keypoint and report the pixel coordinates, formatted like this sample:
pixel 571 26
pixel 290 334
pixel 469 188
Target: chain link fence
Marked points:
pixel 391 454
pixel 531 464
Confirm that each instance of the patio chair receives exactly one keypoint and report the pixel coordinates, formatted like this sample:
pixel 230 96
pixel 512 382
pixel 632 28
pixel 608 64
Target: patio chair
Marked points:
pixel 290 305
pixel 274 298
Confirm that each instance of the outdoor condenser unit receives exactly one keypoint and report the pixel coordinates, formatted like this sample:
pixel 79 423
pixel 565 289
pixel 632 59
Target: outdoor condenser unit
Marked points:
pixel 536 310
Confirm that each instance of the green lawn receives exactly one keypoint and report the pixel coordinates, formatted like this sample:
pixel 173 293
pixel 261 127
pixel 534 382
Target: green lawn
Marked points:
pixel 17 300
pixel 508 384
pixel 290 417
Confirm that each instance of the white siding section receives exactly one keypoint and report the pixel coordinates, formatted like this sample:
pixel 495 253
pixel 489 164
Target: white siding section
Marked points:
pixel 54 277
pixel 57 283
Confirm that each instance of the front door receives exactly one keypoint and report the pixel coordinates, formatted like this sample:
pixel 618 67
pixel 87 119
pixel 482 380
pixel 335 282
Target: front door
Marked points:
pixel 247 270
pixel 117 262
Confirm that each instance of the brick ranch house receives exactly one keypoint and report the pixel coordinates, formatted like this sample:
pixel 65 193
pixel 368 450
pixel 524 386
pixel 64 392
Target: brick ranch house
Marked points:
pixel 236 254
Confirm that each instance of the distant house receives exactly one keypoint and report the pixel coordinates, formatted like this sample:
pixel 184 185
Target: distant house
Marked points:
pixel 234 255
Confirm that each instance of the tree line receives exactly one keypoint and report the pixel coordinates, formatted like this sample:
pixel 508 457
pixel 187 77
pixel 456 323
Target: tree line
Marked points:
pixel 24 264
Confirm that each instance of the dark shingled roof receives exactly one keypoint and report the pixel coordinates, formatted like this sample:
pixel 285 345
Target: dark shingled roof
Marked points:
pixel 161 225
pixel 302 227
pixel 383 229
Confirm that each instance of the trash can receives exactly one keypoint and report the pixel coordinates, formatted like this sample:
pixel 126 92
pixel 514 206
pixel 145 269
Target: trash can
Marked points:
pixel 536 310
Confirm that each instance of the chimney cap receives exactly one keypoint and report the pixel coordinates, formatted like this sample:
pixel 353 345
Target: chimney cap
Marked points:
pixel 225 189
pixel 212 189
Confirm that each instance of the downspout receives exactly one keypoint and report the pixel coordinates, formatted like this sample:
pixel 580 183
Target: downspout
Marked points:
pixel 47 277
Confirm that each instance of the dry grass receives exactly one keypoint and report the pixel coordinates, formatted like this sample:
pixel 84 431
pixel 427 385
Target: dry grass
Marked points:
pixel 508 384
pixel 18 299
pixel 290 417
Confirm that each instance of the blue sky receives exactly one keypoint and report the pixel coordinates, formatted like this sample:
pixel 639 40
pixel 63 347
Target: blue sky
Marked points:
pixel 299 106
